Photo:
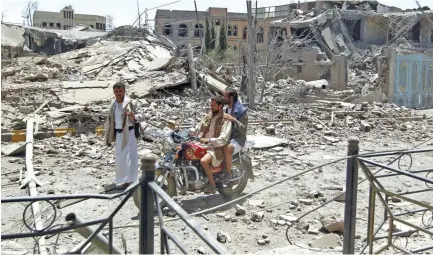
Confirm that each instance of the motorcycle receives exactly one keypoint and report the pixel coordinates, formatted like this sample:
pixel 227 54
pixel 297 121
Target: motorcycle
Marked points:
pixel 180 168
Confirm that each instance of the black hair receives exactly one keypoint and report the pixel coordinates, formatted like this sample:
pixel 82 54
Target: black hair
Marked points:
pixel 218 99
pixel 232 93
pixel 119 85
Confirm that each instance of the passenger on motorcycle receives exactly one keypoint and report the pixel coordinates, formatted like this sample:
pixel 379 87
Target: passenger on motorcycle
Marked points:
pixel 215 130
pixel 237 115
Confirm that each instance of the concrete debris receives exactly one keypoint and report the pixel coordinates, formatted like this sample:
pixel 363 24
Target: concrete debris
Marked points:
pixel 223 237
pixel 332 224
pixel 13 149
pixel 256 202
pixel 240 210
pixel 257 216
pixel 328 241
pixel 264 239
pixel 365 126
pixel 11 247
pixel 265 142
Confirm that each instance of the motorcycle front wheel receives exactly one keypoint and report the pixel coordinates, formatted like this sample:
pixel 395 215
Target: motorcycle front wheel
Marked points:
pixel 169 187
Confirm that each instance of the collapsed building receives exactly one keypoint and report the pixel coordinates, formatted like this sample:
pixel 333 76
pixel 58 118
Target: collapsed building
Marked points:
pixel 344 46
pixel 45 41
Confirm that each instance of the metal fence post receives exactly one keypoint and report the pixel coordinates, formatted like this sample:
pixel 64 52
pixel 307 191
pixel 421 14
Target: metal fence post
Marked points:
pixel 351 197
pixel 147 203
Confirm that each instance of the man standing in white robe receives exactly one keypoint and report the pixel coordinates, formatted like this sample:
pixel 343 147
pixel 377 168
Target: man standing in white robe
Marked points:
pixel 122 116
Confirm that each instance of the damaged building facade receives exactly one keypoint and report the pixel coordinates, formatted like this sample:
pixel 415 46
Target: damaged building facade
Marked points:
pixel 66 19
pixel 406 78
pixel 178 26
pixel 312 40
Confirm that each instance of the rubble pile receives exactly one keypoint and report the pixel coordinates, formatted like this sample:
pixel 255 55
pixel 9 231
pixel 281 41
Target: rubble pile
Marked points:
pixel 133 33
pixel 32 69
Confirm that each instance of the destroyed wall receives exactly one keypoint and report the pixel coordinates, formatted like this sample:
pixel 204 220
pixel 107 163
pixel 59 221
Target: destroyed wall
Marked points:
pixel 426 32
pixel 374 30
pixel 12 44
pixel 50 42
pixel 172 31
pixel 338 80
pixel 302 65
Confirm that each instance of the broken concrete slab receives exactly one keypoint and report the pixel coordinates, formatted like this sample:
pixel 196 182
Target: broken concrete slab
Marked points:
pixel 328 241
pixel 158 80
pixel 72 108
pixel 160 63
pixel 373 96
pixel 317 84
pixel 265 142
pixel 86 84
pixel 326 33
pixel 13 149
pixel 213 83
pixel 13 248
pixel 85 95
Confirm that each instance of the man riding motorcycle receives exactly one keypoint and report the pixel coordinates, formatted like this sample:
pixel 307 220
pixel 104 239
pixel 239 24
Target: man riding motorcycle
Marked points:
pixel 215 130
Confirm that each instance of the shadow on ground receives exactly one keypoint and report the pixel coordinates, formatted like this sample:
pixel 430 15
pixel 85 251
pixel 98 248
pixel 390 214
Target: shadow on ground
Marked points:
pixel 199 204
pixel 205 202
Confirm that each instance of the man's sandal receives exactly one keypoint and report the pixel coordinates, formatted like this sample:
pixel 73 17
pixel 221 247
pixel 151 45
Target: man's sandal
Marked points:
pixel 210 189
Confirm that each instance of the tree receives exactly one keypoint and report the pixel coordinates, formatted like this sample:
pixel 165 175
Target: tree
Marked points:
pixel 207 37
pixel 223 38
pixel 277 57
pixel 110 22
pixel 4 14
pixel 28 12
pixel 213 37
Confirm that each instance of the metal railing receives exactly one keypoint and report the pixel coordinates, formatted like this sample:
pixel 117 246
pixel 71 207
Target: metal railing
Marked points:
pixel 378 190
pixel 146 194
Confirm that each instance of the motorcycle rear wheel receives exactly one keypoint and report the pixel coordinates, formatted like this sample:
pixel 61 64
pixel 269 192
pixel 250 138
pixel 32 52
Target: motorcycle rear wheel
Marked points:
pixel 231 192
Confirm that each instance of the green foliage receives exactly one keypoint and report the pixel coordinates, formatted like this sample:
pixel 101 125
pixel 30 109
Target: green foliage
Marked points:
pixel 223 39
pixel 217 57
pixel 213 38
pixel 207 37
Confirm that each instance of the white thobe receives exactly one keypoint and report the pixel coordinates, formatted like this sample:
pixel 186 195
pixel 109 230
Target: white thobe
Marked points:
pixel 126 159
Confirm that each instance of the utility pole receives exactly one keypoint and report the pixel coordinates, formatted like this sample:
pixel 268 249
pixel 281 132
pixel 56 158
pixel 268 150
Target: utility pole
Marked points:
pixel 139 17
pixel 198 24
pixel 146 18
pixel 251 80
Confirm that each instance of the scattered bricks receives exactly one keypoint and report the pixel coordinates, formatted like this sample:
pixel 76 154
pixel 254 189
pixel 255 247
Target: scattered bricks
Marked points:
pixel 26 109
pixel 4 94
pixel 365 126
pixel 13 98
pixel 306 201
pixel 270 130
pixel 240 210
pixel 364 106
pixel 257 216
pixel 6 121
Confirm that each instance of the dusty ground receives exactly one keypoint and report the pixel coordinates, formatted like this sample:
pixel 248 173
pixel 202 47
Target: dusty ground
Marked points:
pixel 73 165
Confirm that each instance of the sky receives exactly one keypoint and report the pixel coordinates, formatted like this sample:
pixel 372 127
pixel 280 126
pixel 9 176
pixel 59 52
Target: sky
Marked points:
pixel 125 11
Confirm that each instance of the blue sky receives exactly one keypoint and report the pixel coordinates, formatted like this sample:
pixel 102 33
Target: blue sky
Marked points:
pixel 125 11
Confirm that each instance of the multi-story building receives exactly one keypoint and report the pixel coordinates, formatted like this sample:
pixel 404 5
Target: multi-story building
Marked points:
pixel 182 26
pixel 66 18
